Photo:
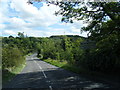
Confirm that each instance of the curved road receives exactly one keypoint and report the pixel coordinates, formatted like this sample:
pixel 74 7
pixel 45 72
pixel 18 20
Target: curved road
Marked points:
pixel 39 74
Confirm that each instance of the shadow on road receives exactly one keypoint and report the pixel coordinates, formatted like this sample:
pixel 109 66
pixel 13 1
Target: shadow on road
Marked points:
pixel 57 78
pixel 6 75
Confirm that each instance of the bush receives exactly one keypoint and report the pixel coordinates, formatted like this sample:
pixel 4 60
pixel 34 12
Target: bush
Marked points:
pixel 11 57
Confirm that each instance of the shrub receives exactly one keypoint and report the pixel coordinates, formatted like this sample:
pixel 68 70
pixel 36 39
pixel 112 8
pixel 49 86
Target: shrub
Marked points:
pixel 11 57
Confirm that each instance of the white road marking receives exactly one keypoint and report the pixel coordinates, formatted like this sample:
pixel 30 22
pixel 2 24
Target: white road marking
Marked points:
pixel 50 87
pixel 43 73
pixel 41 69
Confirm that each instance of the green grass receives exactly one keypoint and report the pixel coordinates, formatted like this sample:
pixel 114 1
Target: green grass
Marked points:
pixel 56 62
pixel 29 54
pixel 63 64
pixel 81 70
pixel 76 69
pixel 8 74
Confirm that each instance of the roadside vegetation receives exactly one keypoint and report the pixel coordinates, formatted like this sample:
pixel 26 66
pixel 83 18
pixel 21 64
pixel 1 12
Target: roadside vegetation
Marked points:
pixel 104 30
pixel 73 51
pixel 63 64
pixel 14 52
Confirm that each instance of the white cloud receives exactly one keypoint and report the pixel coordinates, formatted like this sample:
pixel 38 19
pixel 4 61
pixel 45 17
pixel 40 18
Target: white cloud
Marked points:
pixel 37 17
pixel 23 8
pixel 3 10
pixel 17 22
pixel 26 18
pixel 74 29
pixel 2 26
pixel 36 33
pixel 9 32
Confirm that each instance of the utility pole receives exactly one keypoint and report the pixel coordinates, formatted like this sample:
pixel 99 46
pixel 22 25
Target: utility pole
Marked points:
pixel 64 33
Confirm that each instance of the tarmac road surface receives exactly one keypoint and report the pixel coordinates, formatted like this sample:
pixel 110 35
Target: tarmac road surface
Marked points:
pixel 41 75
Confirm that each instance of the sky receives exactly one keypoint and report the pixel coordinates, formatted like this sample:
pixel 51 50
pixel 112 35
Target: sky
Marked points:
pixel 37 19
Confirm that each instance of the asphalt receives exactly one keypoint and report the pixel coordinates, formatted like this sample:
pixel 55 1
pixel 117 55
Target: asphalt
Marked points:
pixel 40 75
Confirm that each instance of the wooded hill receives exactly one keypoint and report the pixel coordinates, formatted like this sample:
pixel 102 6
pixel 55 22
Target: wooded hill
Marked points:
pixel 101 58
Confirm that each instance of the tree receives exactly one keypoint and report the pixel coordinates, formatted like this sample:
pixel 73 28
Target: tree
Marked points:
pixel 93 13
pixel 103 20
pixel 11 37
pixel 21 35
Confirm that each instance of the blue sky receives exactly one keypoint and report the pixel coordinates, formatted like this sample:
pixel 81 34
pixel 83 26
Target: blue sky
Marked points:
pixel 34 20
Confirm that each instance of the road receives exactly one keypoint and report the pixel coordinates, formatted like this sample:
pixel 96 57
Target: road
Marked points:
pixel 39 74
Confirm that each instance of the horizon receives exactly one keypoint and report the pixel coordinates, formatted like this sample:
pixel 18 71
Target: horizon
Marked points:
pixel 43 37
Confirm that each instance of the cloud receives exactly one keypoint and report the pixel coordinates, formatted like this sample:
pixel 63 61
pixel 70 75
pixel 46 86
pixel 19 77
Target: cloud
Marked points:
pixel 25 10
pixel 19 16
pixel 37 17
pixel 4 10
pixel 9 32
pixel 2 26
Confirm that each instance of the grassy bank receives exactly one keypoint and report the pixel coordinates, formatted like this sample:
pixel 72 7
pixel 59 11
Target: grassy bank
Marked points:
pixel 64 65
pixel 73 68
pixel 10 73
pixel 84 72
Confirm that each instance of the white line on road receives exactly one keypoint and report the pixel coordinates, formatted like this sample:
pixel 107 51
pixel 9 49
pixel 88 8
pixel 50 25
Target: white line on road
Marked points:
pixel 41 69
pixel 50 87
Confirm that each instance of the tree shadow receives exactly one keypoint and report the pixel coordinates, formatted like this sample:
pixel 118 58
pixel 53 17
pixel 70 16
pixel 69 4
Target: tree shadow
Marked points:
pixel 57 78
pixel 6 76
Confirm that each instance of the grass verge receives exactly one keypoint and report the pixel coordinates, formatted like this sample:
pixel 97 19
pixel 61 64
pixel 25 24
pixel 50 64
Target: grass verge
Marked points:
pixel 79 70
pixel 29 54
pixel 83 72
pixel 8 74
pixel 63 64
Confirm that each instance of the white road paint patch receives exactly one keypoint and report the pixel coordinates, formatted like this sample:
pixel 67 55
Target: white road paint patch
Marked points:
pixel 41 69
pixel 50 87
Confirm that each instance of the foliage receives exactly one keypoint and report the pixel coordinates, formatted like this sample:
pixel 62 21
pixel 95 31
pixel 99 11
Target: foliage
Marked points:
pixel 66 48
pixel 93 13
pixel 11 57
pixel 64 65
pixel 103 20
pixel 15 48
pixel 56 62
